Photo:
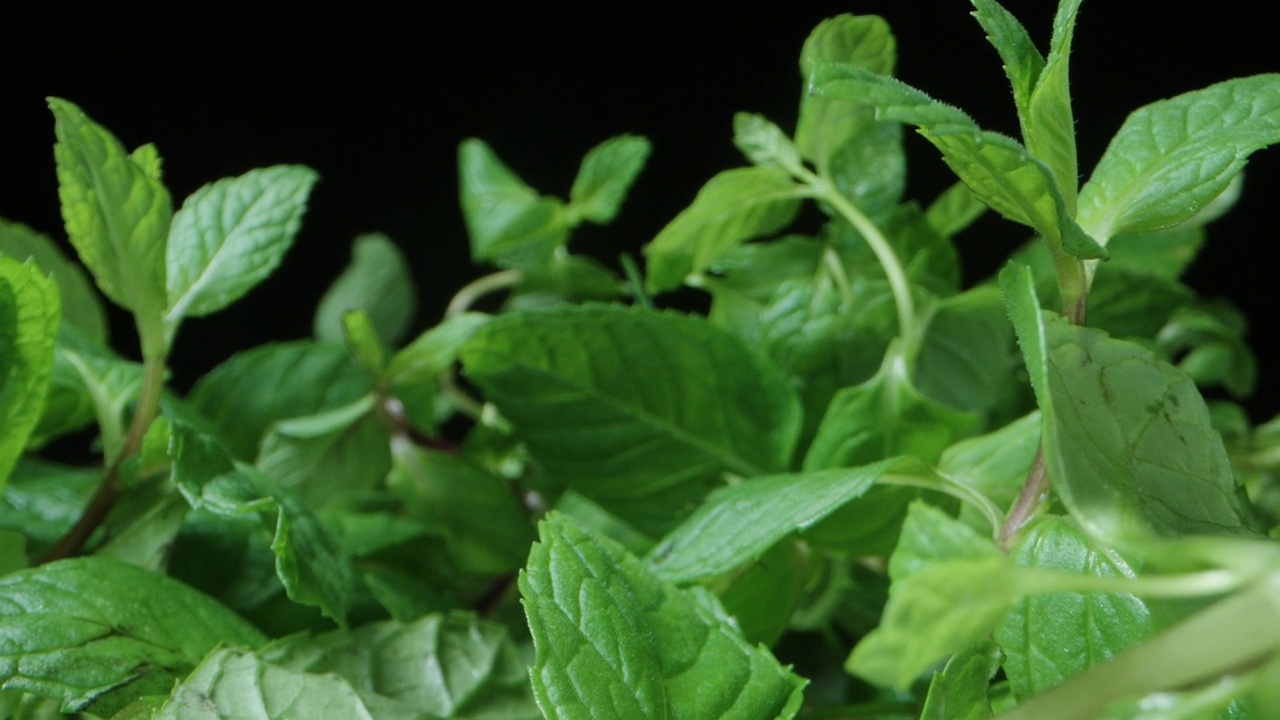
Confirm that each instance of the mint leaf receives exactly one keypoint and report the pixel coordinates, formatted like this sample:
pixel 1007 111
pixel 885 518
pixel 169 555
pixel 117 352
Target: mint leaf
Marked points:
pixel 1173 157
pixel 234 683
pixel 43 499
pixel 81 305
pixel 96 634
pixel 1023 63
pixel 230 235
pixel 117 214
pixel 1051 637
pixel 1127 437
pixel 764 143
pixel 645 402
pixel 959 692
pixel 967 353
pixel 105 381
pixel 413 373
pixel 954 210
pixel 1049 127
pixel 508 222
pixel 449 666
pixel 612 640
pixel 607 172
pixel 995 464
pixel 378 281
pixel 740 522
pixel 29 315
pixel 733 207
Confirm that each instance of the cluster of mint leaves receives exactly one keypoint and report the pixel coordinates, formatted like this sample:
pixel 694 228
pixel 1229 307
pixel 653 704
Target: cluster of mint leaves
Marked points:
pixel 854 488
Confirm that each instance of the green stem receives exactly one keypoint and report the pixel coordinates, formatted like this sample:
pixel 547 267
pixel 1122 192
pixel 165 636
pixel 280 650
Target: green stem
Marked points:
pixel 956 490
pixel 478 288
pixel 1034 490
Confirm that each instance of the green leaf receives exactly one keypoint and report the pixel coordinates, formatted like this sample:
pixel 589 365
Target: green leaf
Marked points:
pixel 1023 63
pixel 96 634
pixel 827 127
pixel 42 500
pixel 607 172
pixel 81 306
pixel 234 683
pixel 1127 437
pixel 508 222
pixel 995 464
pixel 1165 254
pixel 377 280
pixel 733 207
pixel 413 373
pixel 1049 127
pixel 967 354
pixel 320 457
pixel 959 692
pixel 150 520
pixel 449 666
pixel 1050 637
pixel 363 342
pixel 764 143
pixel 117 215
pixel 739 523
pixel 612 640
pixel 930 537
pixel 954 210
pixel 623 403
pixel 487 529
pixel 29 312
pixel 303 378
pixel 108 382
pixel 230 235
pixel 1173 157
pixel 565 278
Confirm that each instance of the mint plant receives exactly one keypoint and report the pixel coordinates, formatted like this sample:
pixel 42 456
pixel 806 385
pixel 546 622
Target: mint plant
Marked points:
pixel 852 488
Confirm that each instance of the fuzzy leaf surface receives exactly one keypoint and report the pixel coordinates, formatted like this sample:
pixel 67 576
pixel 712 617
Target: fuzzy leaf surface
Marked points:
pixel 230 235
pixel 613 640
pixel 1173 157
pixel 96 634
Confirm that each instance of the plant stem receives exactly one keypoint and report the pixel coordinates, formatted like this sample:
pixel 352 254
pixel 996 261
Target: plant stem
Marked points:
pixel 104 498
pixel 1034 491
pixel 478 288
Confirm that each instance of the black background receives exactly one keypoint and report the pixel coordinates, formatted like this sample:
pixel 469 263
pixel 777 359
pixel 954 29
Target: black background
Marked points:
pixel 377 100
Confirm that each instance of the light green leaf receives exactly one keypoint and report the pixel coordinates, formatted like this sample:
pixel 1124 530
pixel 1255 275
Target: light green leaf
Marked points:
pixel 117 215
pixel 318 458
pixel 1127 438
pixel 995 464
pixel 1165 254
pixel 1173 157
pixel 827 127
pixel 606 175
pixel 230 235
pixel 565 278
pixel 234 684
pixel 378 281
pixel 487 529
pixel 96 634
pixel 623 403
pixel 29 313
pixel 739 523
pixel 1023 63
pixel 612 640
pixel 302 377
pixel 1049 127
pixel 959 692
pixel 733 207
pixel 363 342
pixel 954 210
pixel 508 222
pixel 1050 637
pixel 81 306
pixel 930 537
pixel 449 666
pixel 764 143
pixel 108 382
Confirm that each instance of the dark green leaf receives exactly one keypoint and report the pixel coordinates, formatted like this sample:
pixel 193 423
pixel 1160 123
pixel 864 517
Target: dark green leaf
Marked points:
pixel 81 305
pixel 732 208
pixel 449 666
pixel 621 403
pixel 28 330
pixel 612 640
pixel 97 634
pixel 230 235
pixel 1173 157
pixel 377 280
pixel 1050 637
pixel 967 356
pixel 42 500
pixel 605 177
pixel 117 214
pixel 509 223
pixel 413 373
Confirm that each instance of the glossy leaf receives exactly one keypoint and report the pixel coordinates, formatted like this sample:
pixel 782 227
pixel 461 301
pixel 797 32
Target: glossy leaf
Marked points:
pixel 377 281
pixel 117 214
pixel 28 330
pixel 509 223
pixel 448 666
pixel 620 404
pixel 733 207
pixel 81 305
pixel 1173 157
pixel 639 647
pixel 1049 638
pixel 606 175
pixel 96 634
pixel 230 235
pixel 1127 437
